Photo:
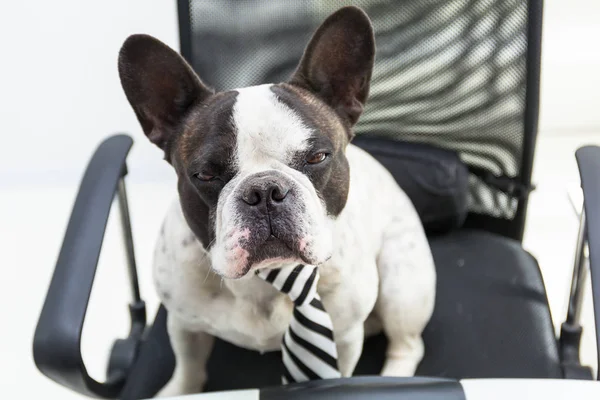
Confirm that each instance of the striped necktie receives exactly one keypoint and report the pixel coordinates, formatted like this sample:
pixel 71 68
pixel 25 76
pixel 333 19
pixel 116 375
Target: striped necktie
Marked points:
pixel 308 348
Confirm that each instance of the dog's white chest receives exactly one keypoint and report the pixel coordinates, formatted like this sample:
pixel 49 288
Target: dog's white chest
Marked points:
pixel 256 321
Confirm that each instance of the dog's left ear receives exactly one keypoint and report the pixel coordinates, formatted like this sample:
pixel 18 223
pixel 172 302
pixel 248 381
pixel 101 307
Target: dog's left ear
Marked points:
pixel 338 62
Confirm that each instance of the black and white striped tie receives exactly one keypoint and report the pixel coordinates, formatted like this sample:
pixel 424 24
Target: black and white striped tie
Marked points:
pixel 308 348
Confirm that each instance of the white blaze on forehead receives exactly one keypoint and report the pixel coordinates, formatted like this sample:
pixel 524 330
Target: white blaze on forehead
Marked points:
pixel 266 128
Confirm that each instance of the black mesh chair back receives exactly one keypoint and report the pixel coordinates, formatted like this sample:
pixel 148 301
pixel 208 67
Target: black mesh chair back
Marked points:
pixel 459 74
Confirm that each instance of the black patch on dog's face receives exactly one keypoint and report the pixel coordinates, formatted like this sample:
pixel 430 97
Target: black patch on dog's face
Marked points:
pixel 205 148
pixel 331 134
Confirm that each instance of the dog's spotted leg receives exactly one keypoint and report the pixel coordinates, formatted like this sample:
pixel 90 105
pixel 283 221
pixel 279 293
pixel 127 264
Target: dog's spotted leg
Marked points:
pixel 349 306
pixel 192 350
pixel 349 346
pixel 406 293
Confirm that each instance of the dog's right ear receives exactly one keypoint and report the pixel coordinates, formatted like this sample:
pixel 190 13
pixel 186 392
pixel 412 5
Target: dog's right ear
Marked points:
pixel 160 86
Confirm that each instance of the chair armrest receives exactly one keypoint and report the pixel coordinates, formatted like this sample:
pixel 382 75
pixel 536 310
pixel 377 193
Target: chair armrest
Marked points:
pixel 57 340
pixel 588 160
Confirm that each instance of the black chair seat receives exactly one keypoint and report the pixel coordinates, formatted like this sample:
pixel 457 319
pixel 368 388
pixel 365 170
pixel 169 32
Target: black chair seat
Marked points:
pixel 491 317
pixel 491 320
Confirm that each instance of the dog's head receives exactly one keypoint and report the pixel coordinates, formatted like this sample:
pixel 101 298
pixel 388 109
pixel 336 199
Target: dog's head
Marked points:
pixel 262 171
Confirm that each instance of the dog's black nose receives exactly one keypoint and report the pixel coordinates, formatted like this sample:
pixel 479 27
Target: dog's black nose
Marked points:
pixel 265 189
pixel 278 193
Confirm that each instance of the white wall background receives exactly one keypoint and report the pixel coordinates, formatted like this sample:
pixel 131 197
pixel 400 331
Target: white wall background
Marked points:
pixel 60 96
pixel 570 96
pixel 59 88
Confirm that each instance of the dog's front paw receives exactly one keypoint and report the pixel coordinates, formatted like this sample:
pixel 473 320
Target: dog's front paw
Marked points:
pixel 402 367
pixel 171 389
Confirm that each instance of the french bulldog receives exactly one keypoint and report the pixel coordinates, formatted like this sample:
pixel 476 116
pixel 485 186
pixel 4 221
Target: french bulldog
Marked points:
pixel 267 178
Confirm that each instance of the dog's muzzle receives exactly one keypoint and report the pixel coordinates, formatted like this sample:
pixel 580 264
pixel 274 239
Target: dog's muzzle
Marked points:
pixel 270 218
pixel 269 207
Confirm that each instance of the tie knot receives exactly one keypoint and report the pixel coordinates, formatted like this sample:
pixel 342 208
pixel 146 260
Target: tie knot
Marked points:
pixel 299 283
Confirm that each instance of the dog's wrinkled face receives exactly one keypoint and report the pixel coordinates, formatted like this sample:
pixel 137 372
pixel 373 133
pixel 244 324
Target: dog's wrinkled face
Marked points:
pixel 270 178
pixel 262 172
pixel 280 181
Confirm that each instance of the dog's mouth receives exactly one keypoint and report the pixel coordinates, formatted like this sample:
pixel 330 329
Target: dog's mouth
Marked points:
pixel 252 248
pixel 272 238
pixel 272 249
pixel 274 252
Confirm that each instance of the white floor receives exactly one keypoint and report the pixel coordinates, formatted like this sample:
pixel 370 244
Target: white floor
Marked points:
pixel 34 218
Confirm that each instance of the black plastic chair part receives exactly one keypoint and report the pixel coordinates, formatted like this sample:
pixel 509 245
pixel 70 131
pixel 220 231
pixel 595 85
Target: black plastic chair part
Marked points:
pixel 460 75
pixel 154 366
pixel 57 340
pixel 588 160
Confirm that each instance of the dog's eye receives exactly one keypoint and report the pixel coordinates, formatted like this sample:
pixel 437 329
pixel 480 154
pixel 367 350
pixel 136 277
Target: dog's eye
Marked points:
pixel 205 177
pixel 317 158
